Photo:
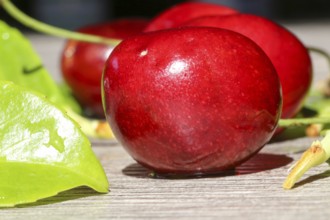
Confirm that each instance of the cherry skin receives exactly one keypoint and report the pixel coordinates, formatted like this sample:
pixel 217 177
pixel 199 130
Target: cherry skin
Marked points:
pixel 289 56
pixel 183 12
pixel 192 100
pixel 82 63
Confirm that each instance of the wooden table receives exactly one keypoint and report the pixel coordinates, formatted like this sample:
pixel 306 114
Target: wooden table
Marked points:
pixel 253 191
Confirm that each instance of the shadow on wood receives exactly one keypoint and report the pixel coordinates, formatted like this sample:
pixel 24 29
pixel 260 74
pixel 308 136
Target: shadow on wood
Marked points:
pixel 72 194
pixel 260 162
pixel 313 178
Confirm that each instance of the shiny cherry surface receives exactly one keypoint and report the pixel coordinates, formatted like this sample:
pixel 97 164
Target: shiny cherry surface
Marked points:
pixel 289 56
pixel 82 63
pixel 192 100
pixel 181 13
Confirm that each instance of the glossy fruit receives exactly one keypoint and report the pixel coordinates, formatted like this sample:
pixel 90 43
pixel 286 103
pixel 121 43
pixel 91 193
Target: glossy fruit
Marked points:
pixel 181 13
pixel 192 100
pixel 82 63
pixel 286 51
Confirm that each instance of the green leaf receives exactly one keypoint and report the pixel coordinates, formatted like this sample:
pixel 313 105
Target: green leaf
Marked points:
pixel 20 64
pixel 42 150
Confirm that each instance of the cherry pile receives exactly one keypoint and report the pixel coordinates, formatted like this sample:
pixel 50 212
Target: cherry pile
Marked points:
pixel 198 89
pixel 197 93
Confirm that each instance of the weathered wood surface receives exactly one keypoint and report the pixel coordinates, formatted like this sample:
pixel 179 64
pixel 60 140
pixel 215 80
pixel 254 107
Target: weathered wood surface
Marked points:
pixel 253 191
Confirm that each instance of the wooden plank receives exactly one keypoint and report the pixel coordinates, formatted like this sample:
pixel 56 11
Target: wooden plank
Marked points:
pixel 253 191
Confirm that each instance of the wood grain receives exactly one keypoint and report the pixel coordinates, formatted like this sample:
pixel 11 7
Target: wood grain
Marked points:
pixel 252 191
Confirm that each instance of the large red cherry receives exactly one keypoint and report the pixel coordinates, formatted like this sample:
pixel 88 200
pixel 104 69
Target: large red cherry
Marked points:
pixel 82 63
pixel 183 12
pixel 286 51
pixel 191 100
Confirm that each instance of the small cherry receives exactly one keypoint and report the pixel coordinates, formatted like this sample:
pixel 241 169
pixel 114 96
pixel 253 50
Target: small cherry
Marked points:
pixel 82 63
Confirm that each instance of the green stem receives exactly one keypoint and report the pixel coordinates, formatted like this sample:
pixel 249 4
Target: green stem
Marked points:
pixel 302 121
pixel 51 30
pixel 308 121
pixel 318 153
pixel 326 89
pixel 320 52
pixel 92 127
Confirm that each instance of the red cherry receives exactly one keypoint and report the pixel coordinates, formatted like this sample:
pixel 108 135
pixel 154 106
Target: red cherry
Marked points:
pixel 183 12
pixel 286 51
pixel 82 63
pixel 191 100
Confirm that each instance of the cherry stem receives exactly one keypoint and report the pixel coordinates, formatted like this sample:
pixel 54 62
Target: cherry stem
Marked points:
pixel 316 154
pixel 291 122
pixel 320 52
pixel 51 30
pixel 325 90
pixel 319 151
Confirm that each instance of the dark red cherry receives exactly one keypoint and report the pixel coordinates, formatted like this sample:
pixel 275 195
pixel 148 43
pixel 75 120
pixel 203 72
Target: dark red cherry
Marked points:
pixel 288 54
pixel 192 100
pixel 82 63
pixel 183 12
